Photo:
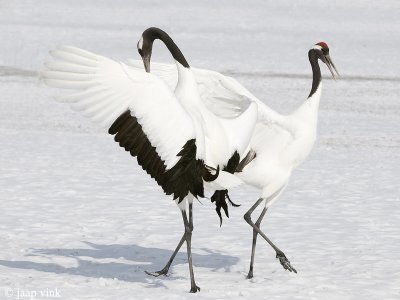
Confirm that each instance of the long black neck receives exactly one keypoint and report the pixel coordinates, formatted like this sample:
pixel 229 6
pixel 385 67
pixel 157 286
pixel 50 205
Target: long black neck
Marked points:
pixel 313 57
pixel 154 33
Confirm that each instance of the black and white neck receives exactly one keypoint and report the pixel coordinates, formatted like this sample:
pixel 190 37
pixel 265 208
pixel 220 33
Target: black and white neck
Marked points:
pixel 308 110
pixel 313 55
pixel 145 45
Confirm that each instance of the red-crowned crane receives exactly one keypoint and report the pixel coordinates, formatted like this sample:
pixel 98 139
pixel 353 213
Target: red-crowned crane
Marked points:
pixel 174 136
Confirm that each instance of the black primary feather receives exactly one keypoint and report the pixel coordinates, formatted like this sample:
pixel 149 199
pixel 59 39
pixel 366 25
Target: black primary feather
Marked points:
pixel 186 176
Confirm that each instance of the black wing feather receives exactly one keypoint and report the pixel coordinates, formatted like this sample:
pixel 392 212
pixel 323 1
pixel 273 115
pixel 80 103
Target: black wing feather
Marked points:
pixel 186 176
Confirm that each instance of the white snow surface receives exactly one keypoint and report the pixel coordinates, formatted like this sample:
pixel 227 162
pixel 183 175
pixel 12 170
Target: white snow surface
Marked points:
pixel 80 219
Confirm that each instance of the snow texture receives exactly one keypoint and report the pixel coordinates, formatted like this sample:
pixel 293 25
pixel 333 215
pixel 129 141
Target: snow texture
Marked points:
pixel 80 220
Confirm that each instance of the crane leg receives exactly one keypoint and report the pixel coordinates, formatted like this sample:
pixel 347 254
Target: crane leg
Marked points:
pixel 253 246
pixel 256 230
pixel 188 231
pixel 187 236
pixel 164 271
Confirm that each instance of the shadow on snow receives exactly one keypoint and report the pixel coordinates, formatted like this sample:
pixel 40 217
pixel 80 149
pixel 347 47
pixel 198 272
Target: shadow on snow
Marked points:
pixel 143 259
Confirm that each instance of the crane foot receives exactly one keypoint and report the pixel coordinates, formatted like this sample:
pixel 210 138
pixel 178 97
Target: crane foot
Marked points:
pixel 285 262
pixel 163 272
pixel 194 289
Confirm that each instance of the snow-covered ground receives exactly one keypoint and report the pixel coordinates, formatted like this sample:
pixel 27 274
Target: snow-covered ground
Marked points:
pixel 80 220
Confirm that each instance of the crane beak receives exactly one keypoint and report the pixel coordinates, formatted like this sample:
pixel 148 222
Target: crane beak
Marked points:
pixel 146 62
pixel 331 66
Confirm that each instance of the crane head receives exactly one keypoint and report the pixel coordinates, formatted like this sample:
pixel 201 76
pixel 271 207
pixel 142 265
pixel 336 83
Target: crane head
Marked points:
pixel 145 48
pixel 322 50
pixel 145 45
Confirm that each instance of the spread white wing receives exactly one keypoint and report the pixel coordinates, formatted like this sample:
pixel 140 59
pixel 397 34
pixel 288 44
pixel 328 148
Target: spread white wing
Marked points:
pixel 103 89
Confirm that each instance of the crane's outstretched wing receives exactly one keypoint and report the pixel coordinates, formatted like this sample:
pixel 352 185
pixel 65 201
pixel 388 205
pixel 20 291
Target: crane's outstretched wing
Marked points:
pixel 138 108
pixel 223 95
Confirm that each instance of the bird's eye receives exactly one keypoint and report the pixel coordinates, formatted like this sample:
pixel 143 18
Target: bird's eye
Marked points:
pixel 140 52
